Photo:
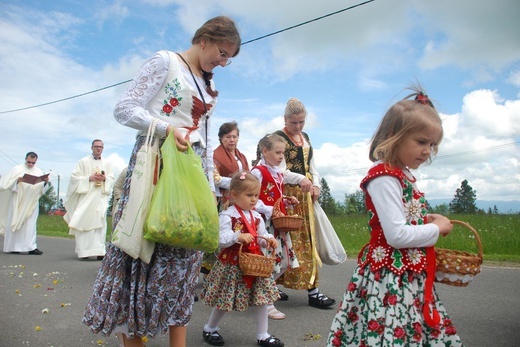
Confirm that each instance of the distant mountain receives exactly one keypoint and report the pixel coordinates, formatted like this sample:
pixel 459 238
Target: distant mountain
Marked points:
pixel 512 206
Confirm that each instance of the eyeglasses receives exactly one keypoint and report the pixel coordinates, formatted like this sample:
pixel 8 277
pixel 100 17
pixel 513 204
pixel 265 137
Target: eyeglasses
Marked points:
pixel 97 146
pixel 30 162
pixel 223 55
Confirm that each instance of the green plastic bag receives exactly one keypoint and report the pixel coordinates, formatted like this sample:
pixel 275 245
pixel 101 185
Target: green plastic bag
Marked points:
pixel 183 211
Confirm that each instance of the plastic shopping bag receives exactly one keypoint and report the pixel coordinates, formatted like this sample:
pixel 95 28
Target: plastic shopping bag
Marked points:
pixel 183 211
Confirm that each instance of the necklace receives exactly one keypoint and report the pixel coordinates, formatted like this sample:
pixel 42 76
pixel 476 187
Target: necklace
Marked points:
pixel 297 143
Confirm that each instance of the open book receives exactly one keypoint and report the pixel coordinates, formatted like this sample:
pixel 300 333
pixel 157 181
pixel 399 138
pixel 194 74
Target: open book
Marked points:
pixel 34 179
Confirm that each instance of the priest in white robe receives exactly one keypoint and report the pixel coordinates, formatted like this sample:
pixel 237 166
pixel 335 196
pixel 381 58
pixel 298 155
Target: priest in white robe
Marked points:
pixel 86 203
pixel 19 206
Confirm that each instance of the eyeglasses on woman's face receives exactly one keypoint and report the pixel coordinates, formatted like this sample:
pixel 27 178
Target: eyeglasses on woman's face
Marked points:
pixel 223 56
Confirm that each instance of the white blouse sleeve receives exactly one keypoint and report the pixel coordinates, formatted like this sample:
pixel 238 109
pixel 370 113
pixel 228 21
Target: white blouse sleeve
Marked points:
pixel 387 194
pixel 227 236
pixel 290 177
pixel 131 110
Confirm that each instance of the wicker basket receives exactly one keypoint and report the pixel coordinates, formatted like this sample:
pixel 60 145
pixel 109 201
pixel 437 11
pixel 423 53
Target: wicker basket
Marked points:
pixel 282 222
pixel 255 264
pixel 457 268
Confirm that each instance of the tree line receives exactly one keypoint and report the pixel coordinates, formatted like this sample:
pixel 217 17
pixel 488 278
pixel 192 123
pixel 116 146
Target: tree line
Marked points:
pixel 464 202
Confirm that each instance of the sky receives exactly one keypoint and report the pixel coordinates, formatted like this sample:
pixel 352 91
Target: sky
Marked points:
pixel 347 68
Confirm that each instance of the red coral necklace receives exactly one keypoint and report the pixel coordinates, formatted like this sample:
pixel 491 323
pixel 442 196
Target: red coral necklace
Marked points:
pixel 297 143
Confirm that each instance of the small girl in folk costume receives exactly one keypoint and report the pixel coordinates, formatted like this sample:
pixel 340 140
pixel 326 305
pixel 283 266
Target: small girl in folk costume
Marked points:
pixel 271 148
pixel 226 288
pixel 390 300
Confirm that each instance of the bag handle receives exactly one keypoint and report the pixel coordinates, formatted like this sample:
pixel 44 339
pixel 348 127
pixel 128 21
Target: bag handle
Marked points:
pixel 151 132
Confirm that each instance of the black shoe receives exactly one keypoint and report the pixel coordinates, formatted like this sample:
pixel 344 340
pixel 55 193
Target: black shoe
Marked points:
pixel 320 300
pixel 36 251
pixel 283 296
pixel 271 341
pixel 15 252
pixel 214 338
pixel 195 297
pixel 100 257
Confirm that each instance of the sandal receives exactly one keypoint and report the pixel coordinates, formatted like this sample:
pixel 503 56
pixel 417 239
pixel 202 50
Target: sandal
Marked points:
pixel 273 313
pixel 214 338
pixel 271 341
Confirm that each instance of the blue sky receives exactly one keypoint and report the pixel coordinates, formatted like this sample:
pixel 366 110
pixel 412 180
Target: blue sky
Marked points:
pixel 347 68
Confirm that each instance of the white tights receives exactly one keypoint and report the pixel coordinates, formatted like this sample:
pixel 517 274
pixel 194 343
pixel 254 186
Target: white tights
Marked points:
pixel 259 312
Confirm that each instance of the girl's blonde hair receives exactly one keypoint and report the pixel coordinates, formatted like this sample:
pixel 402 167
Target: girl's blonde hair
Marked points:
pixel 267 142
pixel 243 181
pixel 405 117
pixel 294 106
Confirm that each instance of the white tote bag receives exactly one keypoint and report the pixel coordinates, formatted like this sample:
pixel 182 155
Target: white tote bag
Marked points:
pixel 328 245
pixel 128 234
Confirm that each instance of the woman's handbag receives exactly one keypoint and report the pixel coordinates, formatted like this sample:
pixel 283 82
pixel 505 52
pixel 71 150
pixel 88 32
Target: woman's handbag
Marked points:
pixel 128 234
pixel 183 212
pixel 328 244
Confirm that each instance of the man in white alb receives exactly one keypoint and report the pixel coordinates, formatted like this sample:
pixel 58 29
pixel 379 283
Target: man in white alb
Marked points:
pixel 86 202
pixel 19 208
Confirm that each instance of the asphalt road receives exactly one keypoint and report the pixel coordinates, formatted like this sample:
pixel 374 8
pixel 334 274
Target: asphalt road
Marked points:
pixel 486 313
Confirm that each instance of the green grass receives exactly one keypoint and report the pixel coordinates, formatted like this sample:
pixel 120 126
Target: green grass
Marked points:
pixel 57 227
pixel 500 234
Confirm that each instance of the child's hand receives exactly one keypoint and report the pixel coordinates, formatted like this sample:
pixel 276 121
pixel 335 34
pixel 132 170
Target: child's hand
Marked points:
pixel 245 238
pixel 291 200
pixel 442 222
pixel 273 243
pixel 306 185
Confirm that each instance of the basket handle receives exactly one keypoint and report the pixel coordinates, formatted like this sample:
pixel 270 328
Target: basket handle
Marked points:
pixel 258 236
pixel 277 212
pixel 477 236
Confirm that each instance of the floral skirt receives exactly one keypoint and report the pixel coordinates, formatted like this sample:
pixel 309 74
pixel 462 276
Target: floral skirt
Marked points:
pixel 284 254
pixel 225 289
pixel 142 299
pixel 384 309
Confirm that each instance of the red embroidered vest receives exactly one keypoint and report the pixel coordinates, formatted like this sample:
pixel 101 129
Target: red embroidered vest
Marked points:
pixel 270 191
pixel 377 252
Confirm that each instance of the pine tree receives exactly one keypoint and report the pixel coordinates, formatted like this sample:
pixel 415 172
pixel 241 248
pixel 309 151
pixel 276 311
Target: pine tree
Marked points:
pixel 464 199
pixel 47 200
pixel 325 199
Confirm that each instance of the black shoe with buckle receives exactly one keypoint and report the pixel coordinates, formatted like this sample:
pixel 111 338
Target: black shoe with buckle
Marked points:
pixel 320 300
pixel 271 341
pixel 36 251
pixel 214 338
pixel 283 296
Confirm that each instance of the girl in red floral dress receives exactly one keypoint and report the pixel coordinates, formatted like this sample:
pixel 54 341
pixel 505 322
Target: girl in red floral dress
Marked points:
pixel 390 299
pixel 271 149
pixel 226 288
